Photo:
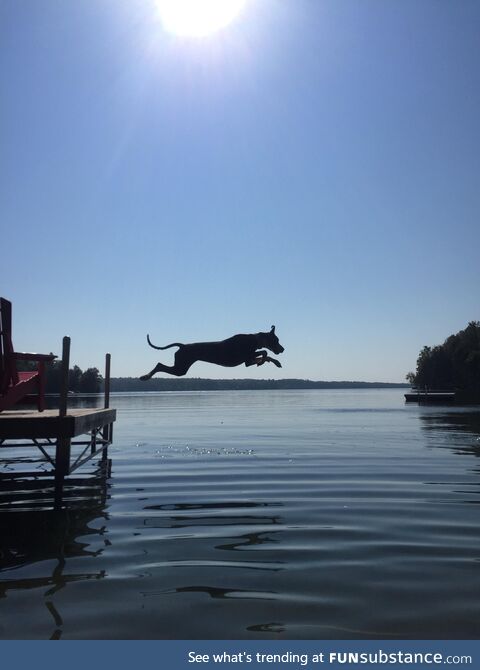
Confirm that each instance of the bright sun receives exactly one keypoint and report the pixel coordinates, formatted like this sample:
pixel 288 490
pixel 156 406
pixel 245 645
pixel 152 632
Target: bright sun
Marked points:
pixel 197 18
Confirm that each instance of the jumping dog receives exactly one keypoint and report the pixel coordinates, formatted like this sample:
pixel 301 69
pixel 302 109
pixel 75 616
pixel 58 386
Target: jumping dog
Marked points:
pixel 233 351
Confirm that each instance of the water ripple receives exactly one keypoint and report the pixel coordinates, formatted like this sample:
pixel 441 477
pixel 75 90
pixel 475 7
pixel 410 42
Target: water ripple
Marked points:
pixel 253 515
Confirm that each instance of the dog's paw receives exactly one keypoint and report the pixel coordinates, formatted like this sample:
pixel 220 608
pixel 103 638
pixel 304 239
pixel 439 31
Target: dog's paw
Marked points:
pixel 144 378
pixel 277 363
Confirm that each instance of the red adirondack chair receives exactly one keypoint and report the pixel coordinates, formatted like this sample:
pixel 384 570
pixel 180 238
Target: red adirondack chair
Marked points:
pixel 15 385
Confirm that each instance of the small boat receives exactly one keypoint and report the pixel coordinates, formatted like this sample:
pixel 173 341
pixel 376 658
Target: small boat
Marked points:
pixel 416 395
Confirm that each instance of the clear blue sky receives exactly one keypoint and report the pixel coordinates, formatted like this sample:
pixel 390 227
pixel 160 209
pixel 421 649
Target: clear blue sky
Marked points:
pixel 315 165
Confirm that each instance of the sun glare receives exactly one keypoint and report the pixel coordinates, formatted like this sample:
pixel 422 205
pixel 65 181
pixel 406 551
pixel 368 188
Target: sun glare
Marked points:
pixel 198 18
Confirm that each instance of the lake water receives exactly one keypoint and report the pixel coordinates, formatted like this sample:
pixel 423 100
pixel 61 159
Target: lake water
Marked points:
pixel 268 514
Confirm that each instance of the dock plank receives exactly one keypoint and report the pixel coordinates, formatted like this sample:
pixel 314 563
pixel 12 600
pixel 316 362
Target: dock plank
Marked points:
pixel 29 424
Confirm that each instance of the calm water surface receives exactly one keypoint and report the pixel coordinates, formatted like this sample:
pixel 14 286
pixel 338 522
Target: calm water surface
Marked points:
pixel 284 514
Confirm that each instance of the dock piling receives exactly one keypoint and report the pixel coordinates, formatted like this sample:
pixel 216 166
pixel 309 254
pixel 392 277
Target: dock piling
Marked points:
pixel 107 432
pixel 64 376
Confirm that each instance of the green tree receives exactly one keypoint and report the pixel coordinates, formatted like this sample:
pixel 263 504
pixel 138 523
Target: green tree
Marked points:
pixel 90 381
pixel 78 381
pixel 453 364
pixel 53 376
pixel 74 379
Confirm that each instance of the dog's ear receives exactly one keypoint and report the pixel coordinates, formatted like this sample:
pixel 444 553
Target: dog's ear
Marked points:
pixel 273 329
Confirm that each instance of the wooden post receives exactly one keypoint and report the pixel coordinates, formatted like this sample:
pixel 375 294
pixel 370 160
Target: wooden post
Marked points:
pixel 62 467
pixel 64 376
pixel 62 458
pixel 107 381
pixel 107 430
pixel 62 450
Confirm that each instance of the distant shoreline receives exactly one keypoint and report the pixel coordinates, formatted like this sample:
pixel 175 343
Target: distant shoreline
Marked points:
pixel 118 384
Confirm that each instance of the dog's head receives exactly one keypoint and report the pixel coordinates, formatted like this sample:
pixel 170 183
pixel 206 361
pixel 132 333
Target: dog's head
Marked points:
pixel 270 340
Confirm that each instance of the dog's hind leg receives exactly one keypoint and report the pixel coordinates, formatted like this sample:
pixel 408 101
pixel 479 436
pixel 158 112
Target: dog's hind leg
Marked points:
pixel 180 368
pixel 170 369
pixel 158 368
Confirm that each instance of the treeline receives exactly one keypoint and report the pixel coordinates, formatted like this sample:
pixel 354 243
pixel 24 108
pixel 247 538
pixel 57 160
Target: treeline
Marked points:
pixel 133 384
pixel 79 381
pixel 455 364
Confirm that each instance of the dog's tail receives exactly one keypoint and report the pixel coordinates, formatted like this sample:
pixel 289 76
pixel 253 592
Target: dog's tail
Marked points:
pixel 174 344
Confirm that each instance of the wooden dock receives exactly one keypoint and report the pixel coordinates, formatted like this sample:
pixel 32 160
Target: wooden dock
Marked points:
pixel 67 438
pixel 29 424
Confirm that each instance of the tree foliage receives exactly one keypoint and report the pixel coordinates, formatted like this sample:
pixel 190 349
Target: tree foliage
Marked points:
pixel 89 381
pixel 455 364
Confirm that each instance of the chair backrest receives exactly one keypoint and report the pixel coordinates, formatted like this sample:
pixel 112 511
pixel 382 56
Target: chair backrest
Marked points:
pixel 6 348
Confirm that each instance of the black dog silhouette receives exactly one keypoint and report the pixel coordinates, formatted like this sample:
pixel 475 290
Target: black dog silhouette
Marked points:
pixel 229 353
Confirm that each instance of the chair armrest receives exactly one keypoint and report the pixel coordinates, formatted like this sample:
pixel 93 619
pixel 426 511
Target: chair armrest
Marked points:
pixel 23 356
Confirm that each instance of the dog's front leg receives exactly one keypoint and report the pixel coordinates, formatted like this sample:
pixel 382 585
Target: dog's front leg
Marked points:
pixel 269 359
pixel 261 357
pixel 257 359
